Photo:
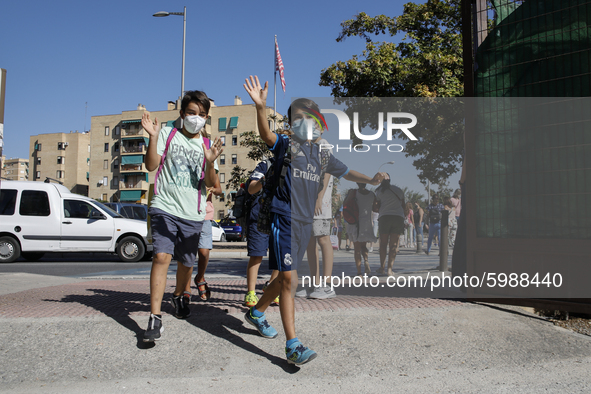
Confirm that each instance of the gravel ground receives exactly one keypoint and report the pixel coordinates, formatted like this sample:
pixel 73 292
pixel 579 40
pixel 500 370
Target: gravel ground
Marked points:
pixel 576 324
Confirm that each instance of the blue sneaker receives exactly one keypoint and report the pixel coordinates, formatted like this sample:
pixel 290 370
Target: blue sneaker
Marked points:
pixel 261 324
pixel 298 354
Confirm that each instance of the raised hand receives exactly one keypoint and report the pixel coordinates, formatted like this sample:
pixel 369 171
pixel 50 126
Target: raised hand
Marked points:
pixel 257 93
pixel 378 178
pixel 214 150
pixel 151 127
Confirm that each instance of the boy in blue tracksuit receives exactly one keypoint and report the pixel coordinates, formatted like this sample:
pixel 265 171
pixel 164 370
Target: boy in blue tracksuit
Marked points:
pixel 292 215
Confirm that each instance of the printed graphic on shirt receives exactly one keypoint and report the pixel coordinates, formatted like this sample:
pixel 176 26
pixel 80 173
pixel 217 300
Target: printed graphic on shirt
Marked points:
pixel 186 166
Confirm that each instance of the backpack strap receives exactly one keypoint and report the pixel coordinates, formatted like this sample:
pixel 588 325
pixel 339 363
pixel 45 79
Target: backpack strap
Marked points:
pixel 207 143
pixel 168 140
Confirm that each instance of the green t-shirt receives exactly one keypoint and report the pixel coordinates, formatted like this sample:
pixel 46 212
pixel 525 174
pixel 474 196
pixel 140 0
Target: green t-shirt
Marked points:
pixel 177 191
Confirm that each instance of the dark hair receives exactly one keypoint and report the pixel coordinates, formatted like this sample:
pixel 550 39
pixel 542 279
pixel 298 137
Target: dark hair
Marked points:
pixel 198 97
pixel 447 201
pixel 302 103
pixel 385 184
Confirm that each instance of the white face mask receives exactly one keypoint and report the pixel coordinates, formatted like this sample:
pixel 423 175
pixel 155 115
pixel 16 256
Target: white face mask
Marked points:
pixel 305 129
pixel 193 123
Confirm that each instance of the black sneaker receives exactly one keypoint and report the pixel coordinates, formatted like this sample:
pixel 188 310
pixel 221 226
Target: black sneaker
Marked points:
pixel 181 305
pixel 154 330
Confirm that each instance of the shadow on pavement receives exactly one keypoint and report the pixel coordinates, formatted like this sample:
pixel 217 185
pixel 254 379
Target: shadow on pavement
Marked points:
pixel 118 305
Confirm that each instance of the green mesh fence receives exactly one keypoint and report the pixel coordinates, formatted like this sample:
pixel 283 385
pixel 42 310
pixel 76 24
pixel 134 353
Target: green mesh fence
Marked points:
pixel 534 155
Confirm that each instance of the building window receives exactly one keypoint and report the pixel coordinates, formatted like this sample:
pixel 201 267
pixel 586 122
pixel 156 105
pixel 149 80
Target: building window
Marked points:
pixel 38 147
pixel 105 181
pixel 38 175
pixel 61 146
pixel 115 181
pixel 106 147
pixel 105 197
pixel 88 148
pixel 222 159
pixel 221 214
pixel 106 130
pixel 222 197
pixel 222 178
pixel 38 161
pixel 116 130
pixel 208 121
pixel 234 159
pixel 234 140
pixel 234 122
pixel 223 139
pixel 115 147
pixel 61 160
pixel 116 164
pixel 105 164
pixel 59 174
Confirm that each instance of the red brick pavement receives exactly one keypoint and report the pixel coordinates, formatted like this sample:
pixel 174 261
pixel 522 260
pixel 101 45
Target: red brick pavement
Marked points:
pixel 119 298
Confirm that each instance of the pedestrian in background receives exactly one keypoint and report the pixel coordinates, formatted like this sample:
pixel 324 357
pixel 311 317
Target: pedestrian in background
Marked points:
pixel 257 243
pixel 390 205
pixel 321 229
pixel 452 222
pixel 362 232
pixel 434 211
pixel 418 221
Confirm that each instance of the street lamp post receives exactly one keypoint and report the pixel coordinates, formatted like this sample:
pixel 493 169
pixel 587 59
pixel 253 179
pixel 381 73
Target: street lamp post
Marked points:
pixel 388 162
pixel 184 14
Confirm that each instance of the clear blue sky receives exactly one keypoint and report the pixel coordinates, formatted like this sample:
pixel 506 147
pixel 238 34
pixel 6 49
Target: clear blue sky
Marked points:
pixel 113 55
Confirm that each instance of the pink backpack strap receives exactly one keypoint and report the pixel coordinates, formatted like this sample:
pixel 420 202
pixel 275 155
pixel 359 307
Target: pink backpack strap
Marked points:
pixel 172 133
pixel 207 143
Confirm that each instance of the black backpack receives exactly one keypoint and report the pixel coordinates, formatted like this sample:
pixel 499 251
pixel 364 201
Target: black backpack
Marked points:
pixel 239 209
pixel 434 215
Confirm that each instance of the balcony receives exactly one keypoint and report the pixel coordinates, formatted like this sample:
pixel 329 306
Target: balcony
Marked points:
pixel 134 133
pixel 127 168
pixel 133 149
pixel 134 185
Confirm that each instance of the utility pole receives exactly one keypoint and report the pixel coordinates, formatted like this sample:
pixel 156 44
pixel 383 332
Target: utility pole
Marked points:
pixel 2 96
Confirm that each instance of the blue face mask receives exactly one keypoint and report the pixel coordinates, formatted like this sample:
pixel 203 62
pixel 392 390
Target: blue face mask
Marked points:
pixel 301 128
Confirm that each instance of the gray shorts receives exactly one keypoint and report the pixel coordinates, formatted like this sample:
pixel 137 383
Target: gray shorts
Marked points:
pixel 175 236
pixel 321 227
pixel 206 240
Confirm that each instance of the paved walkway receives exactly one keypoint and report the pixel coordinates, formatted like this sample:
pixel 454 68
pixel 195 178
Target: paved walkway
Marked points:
pixel 83 335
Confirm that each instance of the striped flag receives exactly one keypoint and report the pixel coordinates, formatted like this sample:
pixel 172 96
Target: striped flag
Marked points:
pixel 279 65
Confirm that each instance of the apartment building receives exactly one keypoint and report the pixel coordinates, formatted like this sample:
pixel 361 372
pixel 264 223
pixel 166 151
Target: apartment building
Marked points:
pixel 15 169
pixel 118 148
pixel 63 157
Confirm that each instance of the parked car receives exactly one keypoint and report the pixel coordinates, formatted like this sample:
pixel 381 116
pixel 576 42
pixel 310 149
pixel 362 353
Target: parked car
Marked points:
pixel 232 228
pixel 37 217
pixel 218 233
pixel 129 210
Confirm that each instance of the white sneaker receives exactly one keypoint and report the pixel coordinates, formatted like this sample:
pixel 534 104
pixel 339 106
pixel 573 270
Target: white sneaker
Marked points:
pixel 321 293
pixel 303 293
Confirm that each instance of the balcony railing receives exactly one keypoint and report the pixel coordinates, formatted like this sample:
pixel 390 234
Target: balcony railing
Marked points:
pixel 134 133
pixel 143 185
pixel 133 149
pixel 133 167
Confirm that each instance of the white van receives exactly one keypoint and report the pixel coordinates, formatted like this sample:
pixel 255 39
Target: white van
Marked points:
pixel 37 217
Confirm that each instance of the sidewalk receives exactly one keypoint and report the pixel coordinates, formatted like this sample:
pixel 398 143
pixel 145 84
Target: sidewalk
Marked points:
pixel 83 335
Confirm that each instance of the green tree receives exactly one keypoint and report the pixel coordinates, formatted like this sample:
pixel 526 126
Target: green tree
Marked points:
pixel 426 62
